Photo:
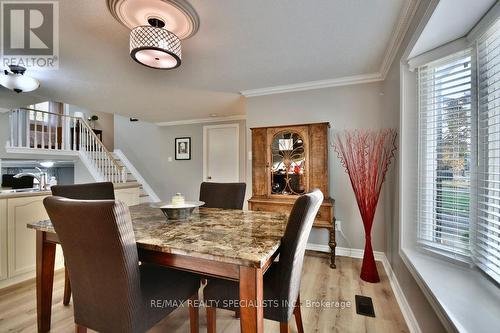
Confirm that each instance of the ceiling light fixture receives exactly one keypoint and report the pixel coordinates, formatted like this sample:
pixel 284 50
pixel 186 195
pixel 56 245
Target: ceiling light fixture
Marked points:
pixel 155 47
pixel 47 164
pixel 17 81
pixel 157 28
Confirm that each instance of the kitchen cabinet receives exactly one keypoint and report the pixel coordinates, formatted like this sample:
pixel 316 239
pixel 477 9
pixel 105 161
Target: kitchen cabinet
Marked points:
pixel 17 242
pixel 21 240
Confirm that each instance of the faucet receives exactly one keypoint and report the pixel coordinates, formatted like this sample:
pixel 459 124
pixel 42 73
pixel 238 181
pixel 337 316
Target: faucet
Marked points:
pixel 41 177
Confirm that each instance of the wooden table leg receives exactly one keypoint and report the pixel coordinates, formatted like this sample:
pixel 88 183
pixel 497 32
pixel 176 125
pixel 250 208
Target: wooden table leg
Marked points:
pixel 251 300
pixel 333 245
pixel 45 259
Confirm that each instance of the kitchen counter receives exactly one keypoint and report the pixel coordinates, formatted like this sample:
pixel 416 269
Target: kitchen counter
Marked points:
pixel 6 193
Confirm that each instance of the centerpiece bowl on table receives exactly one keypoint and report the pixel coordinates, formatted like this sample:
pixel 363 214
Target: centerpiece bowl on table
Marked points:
pixel 177 211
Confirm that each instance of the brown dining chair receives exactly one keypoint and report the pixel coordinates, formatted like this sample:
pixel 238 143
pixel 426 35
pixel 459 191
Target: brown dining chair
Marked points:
pixel 112 292
pixel 223 195
pixel 90 191
pixel 282 279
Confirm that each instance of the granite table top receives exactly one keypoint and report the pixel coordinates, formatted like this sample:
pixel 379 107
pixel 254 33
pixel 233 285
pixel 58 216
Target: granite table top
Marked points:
pixel 240 237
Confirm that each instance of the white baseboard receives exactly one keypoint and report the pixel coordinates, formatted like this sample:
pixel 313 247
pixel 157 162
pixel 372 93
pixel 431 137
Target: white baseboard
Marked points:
pixel 344 251
pixel 410 319
pixel 408 315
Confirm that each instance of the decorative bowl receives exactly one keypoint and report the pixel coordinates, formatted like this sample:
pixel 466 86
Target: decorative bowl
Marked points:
pixel 177 212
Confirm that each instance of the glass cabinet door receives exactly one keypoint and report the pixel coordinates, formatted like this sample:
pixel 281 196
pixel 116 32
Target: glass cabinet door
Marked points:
pixel 288 164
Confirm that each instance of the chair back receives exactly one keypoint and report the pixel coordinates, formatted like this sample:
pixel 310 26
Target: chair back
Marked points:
pixel 102 261
pixel 90 191
pixel 293 246
pixel 223 195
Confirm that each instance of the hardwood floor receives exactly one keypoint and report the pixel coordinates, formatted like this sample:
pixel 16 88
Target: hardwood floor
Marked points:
pixel 319 282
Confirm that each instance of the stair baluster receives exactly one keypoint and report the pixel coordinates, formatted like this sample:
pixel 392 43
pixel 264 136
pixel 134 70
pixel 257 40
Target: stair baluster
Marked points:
pixel 74 135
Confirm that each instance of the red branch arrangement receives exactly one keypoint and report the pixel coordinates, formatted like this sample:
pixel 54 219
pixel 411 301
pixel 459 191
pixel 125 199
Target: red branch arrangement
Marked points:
pixel 366 155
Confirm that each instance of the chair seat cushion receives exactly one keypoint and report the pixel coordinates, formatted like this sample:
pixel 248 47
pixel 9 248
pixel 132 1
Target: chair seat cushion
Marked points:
pixel 164 289
pixel 223 294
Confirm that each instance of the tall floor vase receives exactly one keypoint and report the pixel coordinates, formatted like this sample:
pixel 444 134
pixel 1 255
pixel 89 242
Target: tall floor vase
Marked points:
pixel 365 156
pixel 369 267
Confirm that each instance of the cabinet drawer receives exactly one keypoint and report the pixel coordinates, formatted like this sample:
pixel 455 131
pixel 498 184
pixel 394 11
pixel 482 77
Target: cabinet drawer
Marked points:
pixel 325 213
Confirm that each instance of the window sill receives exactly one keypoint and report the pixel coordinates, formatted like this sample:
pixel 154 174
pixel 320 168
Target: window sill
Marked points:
pixel 466 299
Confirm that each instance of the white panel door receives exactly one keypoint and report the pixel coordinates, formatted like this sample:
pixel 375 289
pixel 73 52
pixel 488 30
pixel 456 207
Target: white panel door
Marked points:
pixel 221 153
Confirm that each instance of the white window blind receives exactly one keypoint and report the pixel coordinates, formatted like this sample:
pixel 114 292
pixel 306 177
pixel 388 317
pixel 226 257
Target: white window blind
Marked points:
pixel 445 127
pixel 487 243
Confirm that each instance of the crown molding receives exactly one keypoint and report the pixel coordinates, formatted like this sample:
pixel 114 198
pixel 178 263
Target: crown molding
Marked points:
pixel 341 81
pixel 398 34
pixel 202 120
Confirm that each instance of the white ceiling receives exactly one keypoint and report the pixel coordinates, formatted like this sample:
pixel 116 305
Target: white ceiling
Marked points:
pixel 240 45
pixel 452 19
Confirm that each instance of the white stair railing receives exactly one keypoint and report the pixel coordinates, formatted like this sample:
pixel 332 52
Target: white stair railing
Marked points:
pixel 42 130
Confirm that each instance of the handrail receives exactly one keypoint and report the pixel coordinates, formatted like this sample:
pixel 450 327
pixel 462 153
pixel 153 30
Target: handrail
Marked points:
pixel 48 112
pixel 91 148
pixel 103 147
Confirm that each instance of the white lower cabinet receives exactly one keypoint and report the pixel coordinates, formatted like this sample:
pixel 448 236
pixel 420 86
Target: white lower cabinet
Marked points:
pixel 18 242
pixel 21 240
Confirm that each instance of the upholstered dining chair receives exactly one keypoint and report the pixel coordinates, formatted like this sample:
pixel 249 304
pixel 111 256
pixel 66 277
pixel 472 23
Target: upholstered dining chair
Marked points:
pixel 282 279
pixel 90 191
pixel 111 291
pixel 223 195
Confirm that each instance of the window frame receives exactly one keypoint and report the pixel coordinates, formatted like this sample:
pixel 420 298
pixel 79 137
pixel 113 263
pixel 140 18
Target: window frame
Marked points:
pixel 430 247
pixel 476 154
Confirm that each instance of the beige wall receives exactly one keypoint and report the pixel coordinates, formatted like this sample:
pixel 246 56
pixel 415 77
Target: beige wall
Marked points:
pixel 348 107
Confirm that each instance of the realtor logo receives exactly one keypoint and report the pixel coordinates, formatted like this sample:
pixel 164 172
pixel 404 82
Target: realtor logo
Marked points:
pixel 30 34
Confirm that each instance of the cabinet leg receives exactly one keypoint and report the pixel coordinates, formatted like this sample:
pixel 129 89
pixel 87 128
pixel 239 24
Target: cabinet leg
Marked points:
pixel 333 244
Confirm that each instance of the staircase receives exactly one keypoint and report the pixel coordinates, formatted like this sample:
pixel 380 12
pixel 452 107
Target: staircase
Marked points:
pixel 147 194
pixel 41 132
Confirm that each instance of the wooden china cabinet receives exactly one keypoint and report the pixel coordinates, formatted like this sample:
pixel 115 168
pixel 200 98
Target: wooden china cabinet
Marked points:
pixel 288 161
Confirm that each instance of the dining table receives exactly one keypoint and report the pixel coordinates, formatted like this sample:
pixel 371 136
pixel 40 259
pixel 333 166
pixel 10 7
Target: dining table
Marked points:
pixel 231 244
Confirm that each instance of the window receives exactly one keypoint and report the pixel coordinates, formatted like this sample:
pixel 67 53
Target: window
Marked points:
pixel 40 116
pixel 459 155
pixel 445 127
pixel 487 246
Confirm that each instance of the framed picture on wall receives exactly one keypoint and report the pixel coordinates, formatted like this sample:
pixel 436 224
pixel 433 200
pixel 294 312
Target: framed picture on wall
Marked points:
pixel 183 148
